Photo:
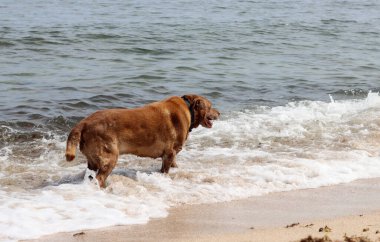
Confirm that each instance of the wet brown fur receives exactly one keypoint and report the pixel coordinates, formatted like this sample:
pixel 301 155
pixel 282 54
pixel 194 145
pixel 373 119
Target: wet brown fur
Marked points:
pixel 159 129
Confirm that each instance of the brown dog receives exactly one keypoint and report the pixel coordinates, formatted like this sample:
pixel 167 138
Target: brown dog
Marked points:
pixel 159 129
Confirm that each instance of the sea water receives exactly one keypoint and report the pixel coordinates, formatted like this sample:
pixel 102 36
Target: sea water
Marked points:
pixel 296 82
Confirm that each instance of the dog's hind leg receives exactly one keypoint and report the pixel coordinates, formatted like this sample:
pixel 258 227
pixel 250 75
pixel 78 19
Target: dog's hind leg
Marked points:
pixel 105 169
pixel 106 165
pixel 106 161
pixel 92 165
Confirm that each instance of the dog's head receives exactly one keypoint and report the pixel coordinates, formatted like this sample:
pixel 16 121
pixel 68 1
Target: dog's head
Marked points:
pixel 204 114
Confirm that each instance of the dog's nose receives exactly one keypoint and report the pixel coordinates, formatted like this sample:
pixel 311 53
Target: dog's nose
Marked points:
pixel 217 112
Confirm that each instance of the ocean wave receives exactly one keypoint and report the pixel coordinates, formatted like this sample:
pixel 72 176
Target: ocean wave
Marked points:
pixel 138 50
pixel 304 144
pixel 353 92
pixel 6 43
pixel 99 36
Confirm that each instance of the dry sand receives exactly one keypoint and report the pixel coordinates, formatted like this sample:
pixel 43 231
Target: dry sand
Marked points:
pixel 352 209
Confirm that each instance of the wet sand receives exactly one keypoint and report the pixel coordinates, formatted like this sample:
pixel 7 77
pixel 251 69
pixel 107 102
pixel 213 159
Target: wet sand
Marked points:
pixel 347 208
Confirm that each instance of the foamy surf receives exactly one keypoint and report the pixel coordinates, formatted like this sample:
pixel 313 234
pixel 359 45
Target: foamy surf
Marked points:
pixel 304 144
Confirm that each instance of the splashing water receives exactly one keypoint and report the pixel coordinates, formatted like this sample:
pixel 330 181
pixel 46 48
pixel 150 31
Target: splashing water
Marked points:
pixel 300 145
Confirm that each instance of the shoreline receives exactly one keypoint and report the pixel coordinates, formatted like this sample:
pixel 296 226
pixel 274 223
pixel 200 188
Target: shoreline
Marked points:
pixel 260 218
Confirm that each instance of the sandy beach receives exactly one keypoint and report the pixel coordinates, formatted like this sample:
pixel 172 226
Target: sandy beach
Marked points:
pixel 352 209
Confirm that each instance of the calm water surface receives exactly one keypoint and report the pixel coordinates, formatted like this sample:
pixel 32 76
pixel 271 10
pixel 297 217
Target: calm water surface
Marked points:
pixel 70 58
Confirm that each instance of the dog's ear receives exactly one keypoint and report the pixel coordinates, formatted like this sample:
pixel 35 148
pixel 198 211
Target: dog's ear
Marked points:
pixel 190 97
pixel 196 102
pixel 199 104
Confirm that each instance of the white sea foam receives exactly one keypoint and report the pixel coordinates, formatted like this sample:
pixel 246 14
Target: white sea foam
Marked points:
pixel 301 145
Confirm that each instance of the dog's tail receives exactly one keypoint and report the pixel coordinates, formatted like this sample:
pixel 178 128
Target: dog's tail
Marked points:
pixel 73 140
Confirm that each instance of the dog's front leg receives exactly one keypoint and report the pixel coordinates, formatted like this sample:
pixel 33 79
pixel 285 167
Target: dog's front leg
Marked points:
pixel 167 160
pixel 177 150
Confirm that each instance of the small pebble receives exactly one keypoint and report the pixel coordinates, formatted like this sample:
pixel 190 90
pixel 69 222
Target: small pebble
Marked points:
pixel 77 234
pixel 325 229
pixel 292 225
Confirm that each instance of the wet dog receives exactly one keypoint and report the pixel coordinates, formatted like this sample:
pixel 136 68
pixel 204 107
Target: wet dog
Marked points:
pixel 159 129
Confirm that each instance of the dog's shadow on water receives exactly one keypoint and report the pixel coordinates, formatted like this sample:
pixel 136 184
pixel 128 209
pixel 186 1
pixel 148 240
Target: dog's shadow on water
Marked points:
pixel 131 173
pixel 80 177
